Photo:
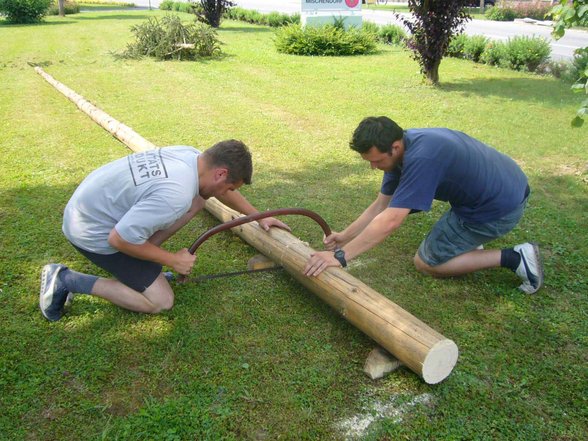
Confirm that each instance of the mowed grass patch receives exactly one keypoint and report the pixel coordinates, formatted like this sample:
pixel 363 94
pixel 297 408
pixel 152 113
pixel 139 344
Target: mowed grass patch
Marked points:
pixel 260 356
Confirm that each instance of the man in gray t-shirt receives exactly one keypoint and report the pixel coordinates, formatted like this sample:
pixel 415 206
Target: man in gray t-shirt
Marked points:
pixel 122 212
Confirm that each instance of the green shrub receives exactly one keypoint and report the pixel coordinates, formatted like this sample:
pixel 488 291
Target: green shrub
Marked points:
pixel 474 47
pixel 470 48
pixel 371 27
pixel 276 20
pixel 518 53
pixel 456 46
pixel 494 53
pixel 170 5
pixel 185 7
pixel 508 11
pixel 526 53
pixel 167 39
pixel 500 12
pixel 273 19
pixel 392 34
pixel 24 11
pixel 166 5
pixel 326 40
pixel 69 7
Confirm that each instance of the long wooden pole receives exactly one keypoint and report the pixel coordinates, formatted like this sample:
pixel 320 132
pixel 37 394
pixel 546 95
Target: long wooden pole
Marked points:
pixel 425 351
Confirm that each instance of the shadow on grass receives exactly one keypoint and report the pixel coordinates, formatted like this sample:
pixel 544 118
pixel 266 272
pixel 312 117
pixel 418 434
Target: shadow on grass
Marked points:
pixel 521 89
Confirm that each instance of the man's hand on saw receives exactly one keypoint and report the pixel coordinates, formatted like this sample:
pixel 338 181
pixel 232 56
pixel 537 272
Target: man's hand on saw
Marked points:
pixel 269 222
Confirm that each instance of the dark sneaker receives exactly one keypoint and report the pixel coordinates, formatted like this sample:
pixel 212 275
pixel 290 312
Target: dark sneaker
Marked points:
pixel 530 270
pixel 53 293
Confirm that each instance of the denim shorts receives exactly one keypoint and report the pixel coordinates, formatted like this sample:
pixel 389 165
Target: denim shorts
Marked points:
pixel 135 273
pixel 451 236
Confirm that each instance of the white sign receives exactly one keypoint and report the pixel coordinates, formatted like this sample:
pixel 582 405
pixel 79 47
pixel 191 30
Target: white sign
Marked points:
pixel 330 5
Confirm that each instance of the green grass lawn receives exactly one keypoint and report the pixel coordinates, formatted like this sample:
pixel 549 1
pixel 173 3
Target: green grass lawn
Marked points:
pixel 260 357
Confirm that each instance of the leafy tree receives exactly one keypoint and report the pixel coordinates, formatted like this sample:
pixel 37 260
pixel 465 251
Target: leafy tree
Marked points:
pixel 432 25
pixel 567 14
pixel 211 11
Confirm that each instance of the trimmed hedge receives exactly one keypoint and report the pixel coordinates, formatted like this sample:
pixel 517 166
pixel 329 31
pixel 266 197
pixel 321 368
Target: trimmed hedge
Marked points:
pixel 24 11
pixel 273 19
pixel 170 5
pixel 518 53
pixel 326 40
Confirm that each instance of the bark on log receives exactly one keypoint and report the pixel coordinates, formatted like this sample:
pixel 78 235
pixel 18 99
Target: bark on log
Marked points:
pixel 425 351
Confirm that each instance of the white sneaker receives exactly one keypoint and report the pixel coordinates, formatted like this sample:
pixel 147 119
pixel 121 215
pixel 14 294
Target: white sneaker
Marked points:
pixel 530 270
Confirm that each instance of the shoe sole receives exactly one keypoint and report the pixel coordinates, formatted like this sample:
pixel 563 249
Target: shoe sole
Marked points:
pixel 540 264
pixel 539 268
pixel 44 276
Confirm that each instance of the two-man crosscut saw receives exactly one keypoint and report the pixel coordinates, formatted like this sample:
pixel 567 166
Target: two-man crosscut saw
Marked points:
pixel 244 220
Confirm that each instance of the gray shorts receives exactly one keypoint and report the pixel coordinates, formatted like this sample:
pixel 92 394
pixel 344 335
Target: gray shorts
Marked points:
pixel 137 274
pixel 451 236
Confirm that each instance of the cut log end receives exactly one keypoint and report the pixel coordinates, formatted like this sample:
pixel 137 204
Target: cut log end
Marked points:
pixel 440 361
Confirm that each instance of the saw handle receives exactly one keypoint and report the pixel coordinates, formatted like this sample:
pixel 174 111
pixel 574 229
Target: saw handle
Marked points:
pixel 253 217
pixel 256 216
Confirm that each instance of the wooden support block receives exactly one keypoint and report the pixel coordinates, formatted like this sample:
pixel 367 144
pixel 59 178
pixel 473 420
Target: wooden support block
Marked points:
pixel 379 363
pixel 259 261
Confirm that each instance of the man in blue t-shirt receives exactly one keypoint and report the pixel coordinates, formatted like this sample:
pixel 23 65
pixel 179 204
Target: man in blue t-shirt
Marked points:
pixel 487 192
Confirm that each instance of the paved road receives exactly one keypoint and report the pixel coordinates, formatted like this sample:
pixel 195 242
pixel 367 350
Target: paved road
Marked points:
pixel 561 49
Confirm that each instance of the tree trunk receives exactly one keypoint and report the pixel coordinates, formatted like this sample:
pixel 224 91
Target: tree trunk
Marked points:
pixel 432 73
pixel 61 4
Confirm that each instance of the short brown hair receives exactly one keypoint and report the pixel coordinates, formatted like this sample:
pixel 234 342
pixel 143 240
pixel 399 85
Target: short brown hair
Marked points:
pixel 235 156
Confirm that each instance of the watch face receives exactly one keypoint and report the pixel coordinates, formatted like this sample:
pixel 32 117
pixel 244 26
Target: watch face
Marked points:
pixel 340 256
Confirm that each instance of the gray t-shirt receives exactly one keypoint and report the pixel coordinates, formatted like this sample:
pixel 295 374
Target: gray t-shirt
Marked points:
pixel 138 195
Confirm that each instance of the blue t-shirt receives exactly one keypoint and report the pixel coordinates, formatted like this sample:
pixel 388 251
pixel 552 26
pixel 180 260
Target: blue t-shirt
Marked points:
pixel 481 184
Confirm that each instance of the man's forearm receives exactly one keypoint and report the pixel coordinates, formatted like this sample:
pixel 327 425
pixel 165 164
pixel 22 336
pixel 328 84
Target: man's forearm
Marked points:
pixel 369 214
pixel 382 226
pixel 145 251
pixel 371 236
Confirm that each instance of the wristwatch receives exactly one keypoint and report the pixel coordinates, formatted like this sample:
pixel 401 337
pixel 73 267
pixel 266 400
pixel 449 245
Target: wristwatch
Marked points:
pixel 340 256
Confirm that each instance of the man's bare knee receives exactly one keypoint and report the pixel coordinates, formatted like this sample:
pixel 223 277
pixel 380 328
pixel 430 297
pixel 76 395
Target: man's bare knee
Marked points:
pixel 160 295
pixel 422 267
pixel 162 303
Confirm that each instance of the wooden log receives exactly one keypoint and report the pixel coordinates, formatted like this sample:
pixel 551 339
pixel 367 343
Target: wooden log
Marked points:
pixel 123 133
pixel 415 344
